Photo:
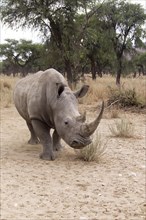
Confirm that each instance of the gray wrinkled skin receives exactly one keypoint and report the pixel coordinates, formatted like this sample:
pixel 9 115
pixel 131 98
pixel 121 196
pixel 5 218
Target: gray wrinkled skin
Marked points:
pixel 45 101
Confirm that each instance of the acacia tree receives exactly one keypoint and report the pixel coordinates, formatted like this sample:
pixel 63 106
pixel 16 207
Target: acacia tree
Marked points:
pixel 21 56
pixel 55 19
pixel 139 61
pixel 124 22
pixel 97 49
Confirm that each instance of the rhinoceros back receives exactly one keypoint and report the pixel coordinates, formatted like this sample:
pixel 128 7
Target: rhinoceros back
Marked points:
pixel 28 92
pixel 21 91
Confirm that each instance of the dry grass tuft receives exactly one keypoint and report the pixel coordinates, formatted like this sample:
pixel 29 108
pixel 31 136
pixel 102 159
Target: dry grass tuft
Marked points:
pixel 98 89
pixel 132 91
pixel 6 90
pixel 93 151
pixel 114 113
pixel 7 85
pixel 122 128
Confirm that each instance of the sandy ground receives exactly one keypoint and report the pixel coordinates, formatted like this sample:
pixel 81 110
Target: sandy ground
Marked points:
pixel 69 188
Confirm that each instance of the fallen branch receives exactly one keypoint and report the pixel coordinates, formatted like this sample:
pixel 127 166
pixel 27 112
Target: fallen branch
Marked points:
pixel 112 104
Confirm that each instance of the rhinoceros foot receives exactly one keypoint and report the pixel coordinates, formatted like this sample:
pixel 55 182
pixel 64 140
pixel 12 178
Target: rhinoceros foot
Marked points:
pixel 33 141
pixel 47 156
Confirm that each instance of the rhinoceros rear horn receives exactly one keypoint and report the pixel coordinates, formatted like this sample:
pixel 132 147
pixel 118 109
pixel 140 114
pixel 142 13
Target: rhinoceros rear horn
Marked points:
pixel 82 117
pixel 89 128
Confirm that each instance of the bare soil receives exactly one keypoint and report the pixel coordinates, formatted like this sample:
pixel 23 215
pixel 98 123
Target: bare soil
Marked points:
pixel 69 188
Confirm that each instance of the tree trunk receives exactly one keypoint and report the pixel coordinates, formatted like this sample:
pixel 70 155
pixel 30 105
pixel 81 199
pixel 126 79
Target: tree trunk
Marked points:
pixel 99 73
pixel 134 75
pixel 93 69
pixel 119 71
pixel 99 69
pixel 69 72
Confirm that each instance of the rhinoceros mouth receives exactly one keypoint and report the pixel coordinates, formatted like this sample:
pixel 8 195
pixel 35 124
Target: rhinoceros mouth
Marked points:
pixel 78 144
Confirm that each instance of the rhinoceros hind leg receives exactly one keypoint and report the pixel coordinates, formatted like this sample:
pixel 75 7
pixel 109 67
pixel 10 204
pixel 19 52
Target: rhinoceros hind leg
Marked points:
pixel 33 139
pixel 56 141
pixel 43 133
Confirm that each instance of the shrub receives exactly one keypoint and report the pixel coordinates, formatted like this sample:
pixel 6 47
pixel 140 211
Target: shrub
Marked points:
pixel 93 151
pixel 122 128
pixel 125 97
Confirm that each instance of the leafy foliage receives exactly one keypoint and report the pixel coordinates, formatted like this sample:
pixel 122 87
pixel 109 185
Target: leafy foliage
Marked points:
pixel 124 22
pixel 140 63
pixel 55 19
pixel 23 56
pixel 79 35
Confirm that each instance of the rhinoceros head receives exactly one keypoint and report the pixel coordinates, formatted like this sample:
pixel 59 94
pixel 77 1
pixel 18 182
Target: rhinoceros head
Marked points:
pixel 70 125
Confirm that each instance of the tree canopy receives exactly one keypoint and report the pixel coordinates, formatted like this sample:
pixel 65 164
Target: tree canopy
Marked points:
pixel 78 35
pixel 21 56
pixel 124 22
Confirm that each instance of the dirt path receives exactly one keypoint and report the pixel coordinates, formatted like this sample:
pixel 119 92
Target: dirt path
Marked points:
pixel 69 188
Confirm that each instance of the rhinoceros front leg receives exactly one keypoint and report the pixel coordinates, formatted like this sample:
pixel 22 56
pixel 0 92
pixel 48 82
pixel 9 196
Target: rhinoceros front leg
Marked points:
pixel 56 141
pixel 33 139
pixel 43 133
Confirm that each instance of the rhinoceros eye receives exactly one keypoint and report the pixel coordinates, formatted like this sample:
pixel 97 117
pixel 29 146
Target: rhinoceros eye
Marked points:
pixel 66 122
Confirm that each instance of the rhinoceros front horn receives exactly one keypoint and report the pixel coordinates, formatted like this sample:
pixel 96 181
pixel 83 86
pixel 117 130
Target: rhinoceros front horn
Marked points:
pixel 89 128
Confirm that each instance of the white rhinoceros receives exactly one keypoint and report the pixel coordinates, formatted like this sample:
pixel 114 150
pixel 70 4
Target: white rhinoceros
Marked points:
pixel 45 101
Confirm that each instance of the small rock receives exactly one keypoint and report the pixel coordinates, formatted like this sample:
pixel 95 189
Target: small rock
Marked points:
pixel 132 174
pixel 83 218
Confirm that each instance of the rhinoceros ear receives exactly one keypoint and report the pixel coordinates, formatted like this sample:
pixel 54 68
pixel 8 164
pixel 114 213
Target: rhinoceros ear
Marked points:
pixel 81 92
pixel 60 88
